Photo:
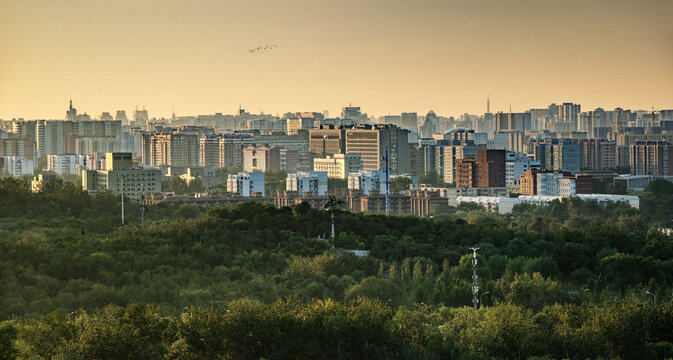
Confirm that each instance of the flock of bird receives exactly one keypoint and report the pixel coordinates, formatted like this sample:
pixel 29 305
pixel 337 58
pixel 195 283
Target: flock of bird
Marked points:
pixel 263 48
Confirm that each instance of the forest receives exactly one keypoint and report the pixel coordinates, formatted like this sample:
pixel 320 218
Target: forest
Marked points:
pixel 569 280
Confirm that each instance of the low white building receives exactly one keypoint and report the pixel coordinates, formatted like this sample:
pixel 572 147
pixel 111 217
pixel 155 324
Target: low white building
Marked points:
pixel 339 165
pixel 246 184
pixel 504 205
pixel 501 205
pixel 312 182
pixel 17 166
pixel 367 181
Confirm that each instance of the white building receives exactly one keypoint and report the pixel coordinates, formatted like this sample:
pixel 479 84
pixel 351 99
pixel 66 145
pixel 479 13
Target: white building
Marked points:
pixel 339 165
pixel 516 164
pixel 66 164
pixel 601 199
pixel 246 184
pixel 367 180
pixel 501 205
pixel 548 184
pixel 567 187
pixel 17 166
pixel 313 182
pixel 504 205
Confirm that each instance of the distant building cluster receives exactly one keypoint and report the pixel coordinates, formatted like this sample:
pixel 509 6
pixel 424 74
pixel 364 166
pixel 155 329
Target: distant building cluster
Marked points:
pixel 554 151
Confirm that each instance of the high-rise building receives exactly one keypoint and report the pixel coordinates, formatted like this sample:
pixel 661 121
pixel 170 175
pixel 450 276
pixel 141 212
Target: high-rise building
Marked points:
pixel 209 150
pixel 121 116
pixel 513 121
pixel 409 121
pixel 17 145
pixel 171 149
pixel 231 150
pixel 140 117
pixel 651 158
pixel 597 154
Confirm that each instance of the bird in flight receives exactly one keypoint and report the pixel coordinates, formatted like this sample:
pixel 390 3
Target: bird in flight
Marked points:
pixel 263 48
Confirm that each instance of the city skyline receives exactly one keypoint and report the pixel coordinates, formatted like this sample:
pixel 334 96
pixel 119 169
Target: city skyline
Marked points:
pixel 447 56
pixel 333 113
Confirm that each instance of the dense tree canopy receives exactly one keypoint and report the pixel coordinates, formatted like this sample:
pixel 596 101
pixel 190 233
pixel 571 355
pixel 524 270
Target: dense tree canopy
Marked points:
pixel 574 274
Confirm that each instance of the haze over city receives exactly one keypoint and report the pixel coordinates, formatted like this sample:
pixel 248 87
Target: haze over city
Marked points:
pixel 203 57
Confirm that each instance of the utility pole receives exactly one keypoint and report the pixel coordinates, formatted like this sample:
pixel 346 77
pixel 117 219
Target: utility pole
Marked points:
pixel 475 284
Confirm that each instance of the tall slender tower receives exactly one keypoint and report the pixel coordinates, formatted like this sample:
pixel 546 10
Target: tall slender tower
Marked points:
pixel 488 104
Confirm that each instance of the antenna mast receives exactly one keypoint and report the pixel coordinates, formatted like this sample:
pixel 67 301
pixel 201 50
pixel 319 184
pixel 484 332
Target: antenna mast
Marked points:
pixel 475 284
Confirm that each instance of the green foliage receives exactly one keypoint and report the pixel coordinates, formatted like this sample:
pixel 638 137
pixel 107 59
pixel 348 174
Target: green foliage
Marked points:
pixel 361 328
pixel 7 339
pixel 62 250
pixel 400 183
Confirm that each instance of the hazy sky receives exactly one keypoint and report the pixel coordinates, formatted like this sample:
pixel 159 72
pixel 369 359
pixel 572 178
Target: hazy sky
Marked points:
pixel 386 56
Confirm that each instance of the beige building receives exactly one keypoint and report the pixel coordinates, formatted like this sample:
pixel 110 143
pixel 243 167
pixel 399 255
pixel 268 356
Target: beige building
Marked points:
pixel 338 165
pixel 120 177
pixel 261 159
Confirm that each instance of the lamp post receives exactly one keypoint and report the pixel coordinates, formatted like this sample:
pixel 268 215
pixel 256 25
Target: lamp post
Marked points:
pixel 653 296
pixel 481 298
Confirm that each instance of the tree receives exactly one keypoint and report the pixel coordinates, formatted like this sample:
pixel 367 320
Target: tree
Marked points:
pixel 7 338
pixel 386 291
pixel 400 183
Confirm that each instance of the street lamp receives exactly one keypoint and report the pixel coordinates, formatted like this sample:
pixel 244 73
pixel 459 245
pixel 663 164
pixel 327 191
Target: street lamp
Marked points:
pixel 653 296
pixel 481 298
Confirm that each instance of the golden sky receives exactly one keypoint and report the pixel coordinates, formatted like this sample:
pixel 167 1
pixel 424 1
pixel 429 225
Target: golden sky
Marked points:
pixel 387 56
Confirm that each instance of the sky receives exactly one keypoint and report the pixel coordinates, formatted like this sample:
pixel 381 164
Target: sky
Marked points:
pixel 387 56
